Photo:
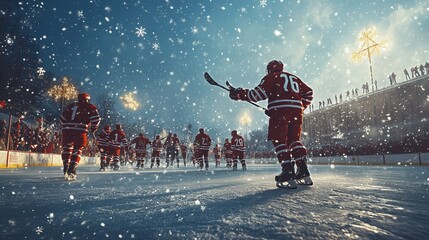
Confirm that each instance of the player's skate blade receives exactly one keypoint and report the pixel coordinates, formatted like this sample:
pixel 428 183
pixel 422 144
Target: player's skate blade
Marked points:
pixel 71 177
pixel 291 184
pixel 304 181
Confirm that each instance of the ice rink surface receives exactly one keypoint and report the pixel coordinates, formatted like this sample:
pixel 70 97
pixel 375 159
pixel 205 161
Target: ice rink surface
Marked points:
pixel 345 202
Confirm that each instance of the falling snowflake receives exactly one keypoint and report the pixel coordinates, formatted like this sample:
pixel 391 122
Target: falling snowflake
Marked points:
pixel 263 3
pixel 80 14
pixel 156 46
pixel 9 40
pixel 141 31
pixel 41 71
pixel 39 230
pixel 194 30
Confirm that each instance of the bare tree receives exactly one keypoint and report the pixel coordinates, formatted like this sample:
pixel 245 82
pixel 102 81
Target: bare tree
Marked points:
pixel 107 108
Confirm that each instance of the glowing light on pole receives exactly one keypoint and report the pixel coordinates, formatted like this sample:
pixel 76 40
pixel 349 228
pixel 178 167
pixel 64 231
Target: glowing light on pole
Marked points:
pixel 245 120
pixel 65 91
pixel 369 46
pixel 129 102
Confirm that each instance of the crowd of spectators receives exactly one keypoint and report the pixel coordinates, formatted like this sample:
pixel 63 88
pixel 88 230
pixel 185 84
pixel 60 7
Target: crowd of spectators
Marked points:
pixel 416 71
pixel 28 137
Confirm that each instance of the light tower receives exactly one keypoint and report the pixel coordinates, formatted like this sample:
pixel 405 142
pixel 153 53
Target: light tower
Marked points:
pixel 369 47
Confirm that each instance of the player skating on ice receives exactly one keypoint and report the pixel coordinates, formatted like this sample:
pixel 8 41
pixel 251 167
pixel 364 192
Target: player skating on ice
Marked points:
pixel 227 153
pixel 238 148
pixel 104 147
pixel 183 151
pixel 156 151
pixel 202 147
pixel 140 144
pixel 288 96
pixel 176 144
pixel 75 120
pixel 117 139
pixel 171 144
pixel 216 154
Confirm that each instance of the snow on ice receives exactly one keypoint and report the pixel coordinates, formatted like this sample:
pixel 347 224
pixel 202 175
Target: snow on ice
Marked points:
pixel 346 202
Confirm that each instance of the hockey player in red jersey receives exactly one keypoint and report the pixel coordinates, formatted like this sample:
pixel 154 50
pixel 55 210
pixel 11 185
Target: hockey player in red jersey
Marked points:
pixel 117 138
pixel 171 144
pixel 238 148
pixel 140 143
pixel 288 96
pixel 104 147
pixel 156 151
pixel 216 154
pixel 227 153
pixel 75 120
pixel 183 150
pixel 202 147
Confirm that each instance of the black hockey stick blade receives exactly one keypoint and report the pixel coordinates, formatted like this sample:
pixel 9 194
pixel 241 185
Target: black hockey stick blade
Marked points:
pixel 210 80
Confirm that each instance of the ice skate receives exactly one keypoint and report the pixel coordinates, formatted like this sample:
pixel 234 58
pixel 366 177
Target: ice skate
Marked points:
pixel 71 177
pixel 286 178
pixel 302 176
pixel 115 167
pixel 244 168
pixel 66 175
pixel 234 168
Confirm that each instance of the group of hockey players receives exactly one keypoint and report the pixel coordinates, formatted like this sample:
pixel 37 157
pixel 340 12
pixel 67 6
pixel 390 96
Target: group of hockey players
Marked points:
pixel 116 150
pixel 288 96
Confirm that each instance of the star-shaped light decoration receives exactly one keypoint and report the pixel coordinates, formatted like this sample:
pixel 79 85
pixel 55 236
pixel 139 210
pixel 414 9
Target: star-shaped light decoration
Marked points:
pixel 130 101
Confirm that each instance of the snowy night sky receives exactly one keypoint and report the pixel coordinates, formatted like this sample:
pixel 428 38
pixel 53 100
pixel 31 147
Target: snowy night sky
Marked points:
pixel 160 49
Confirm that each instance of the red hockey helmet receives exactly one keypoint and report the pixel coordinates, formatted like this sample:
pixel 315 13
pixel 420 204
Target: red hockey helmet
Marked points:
pixel 274 66
pixel 118 126
pixel 234 132
pixel 201 130
pixel 83 97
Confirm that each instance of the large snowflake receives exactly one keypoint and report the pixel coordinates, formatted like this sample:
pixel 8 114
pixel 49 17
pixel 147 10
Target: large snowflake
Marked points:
pixel 263 3
pixel 156 46
pixel 141 31
pixel 40 71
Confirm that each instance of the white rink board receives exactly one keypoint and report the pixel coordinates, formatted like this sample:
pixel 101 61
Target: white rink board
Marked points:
pixel 3 157
pixel 23 159
pixel 334 160
pixel 424 158
pixel 18 159
pixel 402 159
pixel 371 159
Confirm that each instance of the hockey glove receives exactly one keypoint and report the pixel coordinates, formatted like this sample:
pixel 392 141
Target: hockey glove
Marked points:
pixel 236 93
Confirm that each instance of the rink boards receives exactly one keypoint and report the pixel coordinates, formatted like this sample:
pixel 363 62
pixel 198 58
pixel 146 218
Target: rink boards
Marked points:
pixel 391 159
pixel 24 159
pixel 14 159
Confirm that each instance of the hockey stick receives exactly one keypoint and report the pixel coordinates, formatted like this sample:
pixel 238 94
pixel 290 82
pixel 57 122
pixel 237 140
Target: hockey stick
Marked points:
pixel 210 80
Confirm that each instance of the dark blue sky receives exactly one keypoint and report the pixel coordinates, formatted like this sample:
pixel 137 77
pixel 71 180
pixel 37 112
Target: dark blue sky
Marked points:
pixel 96 43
